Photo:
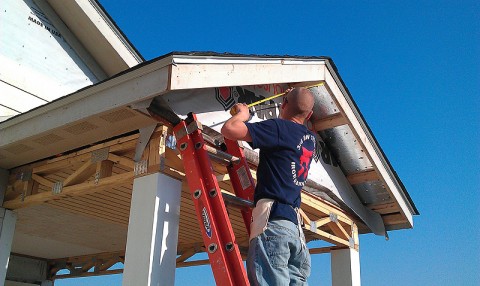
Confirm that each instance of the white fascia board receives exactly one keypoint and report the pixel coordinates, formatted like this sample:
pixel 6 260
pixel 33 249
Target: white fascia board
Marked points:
pixel 205 72
pixel 110 32
pixel 373 151
pixel 195 59
pixel 135 86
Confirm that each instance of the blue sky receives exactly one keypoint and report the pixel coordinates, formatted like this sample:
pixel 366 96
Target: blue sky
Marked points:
pixel 413 69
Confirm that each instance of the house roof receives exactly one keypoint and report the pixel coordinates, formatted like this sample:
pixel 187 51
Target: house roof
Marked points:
pixel 113 107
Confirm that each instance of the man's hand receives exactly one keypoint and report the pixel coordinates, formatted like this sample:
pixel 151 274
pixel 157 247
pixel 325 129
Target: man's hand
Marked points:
pixel 235 128
pixel 241 112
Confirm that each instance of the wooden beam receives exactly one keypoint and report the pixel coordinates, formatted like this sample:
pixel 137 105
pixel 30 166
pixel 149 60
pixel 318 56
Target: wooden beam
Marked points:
pixel 322 221
pixel 193 263
pixel 80 175
pixel 103 170
pixel 121 160
pixel 75 190
pixel 51 167
pixel 395 218
pixel 328 237
pixel 186 255
pixel 330 121
pixel 42 180
pixel 323 250
pixel 339 236
pixel 325 208
pixel 338 230
pixel 362 177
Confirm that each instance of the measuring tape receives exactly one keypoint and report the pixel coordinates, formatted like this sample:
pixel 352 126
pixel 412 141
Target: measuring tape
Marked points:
pixel 234 111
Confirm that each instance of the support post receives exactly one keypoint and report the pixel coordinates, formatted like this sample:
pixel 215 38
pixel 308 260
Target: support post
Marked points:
pixel 150 257
pixel 7 228
pixel 345 267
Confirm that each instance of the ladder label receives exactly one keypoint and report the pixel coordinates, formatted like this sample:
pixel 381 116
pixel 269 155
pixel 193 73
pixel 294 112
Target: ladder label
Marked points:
pixel 243 177
pixel 206 223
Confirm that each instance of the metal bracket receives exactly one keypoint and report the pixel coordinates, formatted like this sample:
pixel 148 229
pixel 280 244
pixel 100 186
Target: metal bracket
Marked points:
pixel 57 188
pixel 140 167
pixel 171 142
pixel 145 135
pixel 313 226
pixel 351 243
pixel 97 178
pixel 100 155
pixel 25 175
pixel 333 217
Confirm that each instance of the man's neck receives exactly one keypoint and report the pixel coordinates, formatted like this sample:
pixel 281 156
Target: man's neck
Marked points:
pixel 293 119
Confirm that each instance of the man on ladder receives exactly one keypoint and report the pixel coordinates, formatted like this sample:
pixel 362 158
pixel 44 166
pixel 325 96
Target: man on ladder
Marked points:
pixel 277 254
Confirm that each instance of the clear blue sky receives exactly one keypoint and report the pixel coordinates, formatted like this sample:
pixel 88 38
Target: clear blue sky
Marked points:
pixel 413 69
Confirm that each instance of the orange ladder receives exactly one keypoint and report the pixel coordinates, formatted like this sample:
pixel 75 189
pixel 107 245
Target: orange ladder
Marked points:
pixel 217 232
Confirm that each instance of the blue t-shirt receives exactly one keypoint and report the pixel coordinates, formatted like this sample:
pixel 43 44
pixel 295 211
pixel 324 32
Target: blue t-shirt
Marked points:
pixel 286 151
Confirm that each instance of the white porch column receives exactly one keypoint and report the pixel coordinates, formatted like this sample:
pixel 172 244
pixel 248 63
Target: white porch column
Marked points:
pixel 345 267
pixel 7 228
pixel 151 253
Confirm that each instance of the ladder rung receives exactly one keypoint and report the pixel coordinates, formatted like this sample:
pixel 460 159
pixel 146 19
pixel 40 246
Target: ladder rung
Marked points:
pixel 220 156
pixel 236 201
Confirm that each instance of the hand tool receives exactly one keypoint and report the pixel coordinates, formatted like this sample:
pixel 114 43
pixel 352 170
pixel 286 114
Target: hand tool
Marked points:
pixel 234 110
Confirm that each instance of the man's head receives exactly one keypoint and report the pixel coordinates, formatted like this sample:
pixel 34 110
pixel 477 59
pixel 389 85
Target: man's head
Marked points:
pixel 297 104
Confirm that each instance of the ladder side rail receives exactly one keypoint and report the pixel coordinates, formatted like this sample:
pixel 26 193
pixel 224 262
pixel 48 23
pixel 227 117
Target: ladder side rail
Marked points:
pixel 219 210
pixel 203 210
pixel 241 178
pixel 224 252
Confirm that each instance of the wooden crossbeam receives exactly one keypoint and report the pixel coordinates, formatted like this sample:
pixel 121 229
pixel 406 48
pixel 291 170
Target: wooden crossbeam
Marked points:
pixel 74 190
pixel 193 263
pixel 55 166
pixel 325 208
pixel 331 121
pixel 338 230
pixel 362 177
pixel 121 160
pixel 322 221
pixel 186 255
pixel 339 235
pixel 322 250
pixel 328 237
pixel 42 180
pixel 80 175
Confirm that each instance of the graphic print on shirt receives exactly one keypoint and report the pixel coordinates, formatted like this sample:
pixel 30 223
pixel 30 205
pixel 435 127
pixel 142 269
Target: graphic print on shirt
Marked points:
pixel 300 169
pixel 304 161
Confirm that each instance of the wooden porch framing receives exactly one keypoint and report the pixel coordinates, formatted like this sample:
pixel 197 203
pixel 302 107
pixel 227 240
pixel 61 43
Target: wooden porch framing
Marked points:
pixel 96 182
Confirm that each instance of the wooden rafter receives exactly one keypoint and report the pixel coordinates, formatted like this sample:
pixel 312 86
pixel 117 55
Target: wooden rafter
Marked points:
pixel 362 177
pixel 331 121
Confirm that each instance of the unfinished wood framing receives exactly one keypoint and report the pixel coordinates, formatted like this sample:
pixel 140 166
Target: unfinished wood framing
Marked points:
pixel 96 182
